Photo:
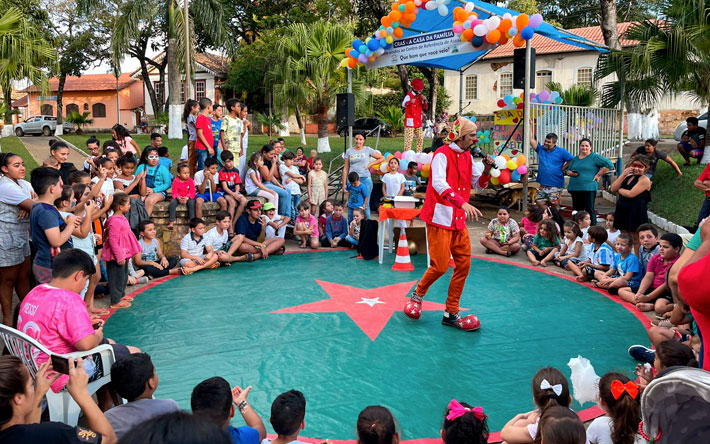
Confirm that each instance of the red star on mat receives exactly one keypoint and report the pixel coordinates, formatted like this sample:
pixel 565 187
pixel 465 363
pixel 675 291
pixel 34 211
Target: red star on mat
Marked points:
pixel 370 308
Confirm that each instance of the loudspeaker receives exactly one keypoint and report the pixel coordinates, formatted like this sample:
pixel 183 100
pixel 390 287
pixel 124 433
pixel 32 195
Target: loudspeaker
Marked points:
pixel 519 68
pixel 345 110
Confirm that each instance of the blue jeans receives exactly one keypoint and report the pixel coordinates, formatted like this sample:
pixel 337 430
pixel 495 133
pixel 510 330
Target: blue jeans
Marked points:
pixel 284 198
pixel 351 240
pixel 367 181
pixel 704 211
pixel 295 199
pixel 201 157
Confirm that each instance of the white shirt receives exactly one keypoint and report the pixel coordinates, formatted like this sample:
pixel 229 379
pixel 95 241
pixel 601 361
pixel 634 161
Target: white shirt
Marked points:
pixel 183 154
pixel 611 237
pixel 288 181
pixel 393 183
pixel 200 178
pixel 14 193
pixel 249 185
pixel 572 245
pixel 599 432
pixel 107 187
pixel 215 240
pixel 438 173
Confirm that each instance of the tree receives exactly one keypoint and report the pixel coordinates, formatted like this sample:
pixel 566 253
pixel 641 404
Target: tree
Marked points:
pixel 249 68
pixel 310 55
pixel 79 120
pixel 575 95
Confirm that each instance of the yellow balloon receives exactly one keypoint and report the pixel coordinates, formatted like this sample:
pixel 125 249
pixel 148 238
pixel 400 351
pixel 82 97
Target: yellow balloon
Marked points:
pixel 412 248
pixel 495 181
pixel 512 165
pixel 389 39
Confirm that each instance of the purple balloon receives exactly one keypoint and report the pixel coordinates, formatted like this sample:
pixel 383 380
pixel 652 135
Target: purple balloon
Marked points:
pixel 544 96
pixel 535 20
pixel 362 59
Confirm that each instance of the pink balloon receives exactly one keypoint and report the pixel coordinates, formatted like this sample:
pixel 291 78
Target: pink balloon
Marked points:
pixel 373 171
pixel 522 169
pixel 398 154
pixel 458 29
pixel 419 166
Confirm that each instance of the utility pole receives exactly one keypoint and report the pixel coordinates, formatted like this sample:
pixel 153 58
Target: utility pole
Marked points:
pixel 187 52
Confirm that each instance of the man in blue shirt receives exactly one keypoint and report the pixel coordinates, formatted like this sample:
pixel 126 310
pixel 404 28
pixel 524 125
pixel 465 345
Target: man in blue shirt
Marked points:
pixel 550 173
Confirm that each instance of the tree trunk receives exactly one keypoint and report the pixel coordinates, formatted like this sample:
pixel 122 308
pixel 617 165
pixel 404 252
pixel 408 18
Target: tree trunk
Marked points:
pixel 301 126
pixel 174 108
pixel 7 94
pixel 60 104
pixel 323 142
pixel 403 78
pixel 432 76
pixel 149 86
pixel 608 24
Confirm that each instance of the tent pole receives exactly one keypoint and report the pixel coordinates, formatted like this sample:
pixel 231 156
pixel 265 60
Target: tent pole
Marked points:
pixel 526 119
pixel 350 127
pixel 619 161
pixel 460 92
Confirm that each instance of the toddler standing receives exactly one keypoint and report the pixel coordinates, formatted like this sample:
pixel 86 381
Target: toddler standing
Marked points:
pixel 120 246
pixel 292 179
pixel 317 185
pixel 358 194
pixel 393 180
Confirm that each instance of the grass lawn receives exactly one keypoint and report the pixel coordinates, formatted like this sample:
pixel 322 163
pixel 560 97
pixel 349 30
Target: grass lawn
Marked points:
pixel 675 198
pixel 14 145
pixel 255 143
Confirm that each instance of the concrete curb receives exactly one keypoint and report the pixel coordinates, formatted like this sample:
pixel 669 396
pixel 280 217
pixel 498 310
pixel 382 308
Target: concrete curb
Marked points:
pixel 662 223
pixel 72 146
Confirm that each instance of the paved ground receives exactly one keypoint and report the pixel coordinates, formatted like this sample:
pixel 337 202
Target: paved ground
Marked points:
pixel 38 146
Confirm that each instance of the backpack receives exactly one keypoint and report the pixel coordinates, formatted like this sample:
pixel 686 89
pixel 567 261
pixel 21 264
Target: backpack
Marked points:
pixel 136 214
pixel 367 244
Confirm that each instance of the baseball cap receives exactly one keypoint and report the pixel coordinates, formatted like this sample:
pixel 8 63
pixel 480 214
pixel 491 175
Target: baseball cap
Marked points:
pixel 253 204
pixel 268 206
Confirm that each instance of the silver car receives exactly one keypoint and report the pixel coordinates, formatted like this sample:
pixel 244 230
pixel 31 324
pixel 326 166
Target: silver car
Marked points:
pixel 44 125
pixel 682 126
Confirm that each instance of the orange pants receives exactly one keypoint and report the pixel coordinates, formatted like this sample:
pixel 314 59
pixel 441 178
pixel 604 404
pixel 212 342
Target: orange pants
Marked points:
pixel 442 244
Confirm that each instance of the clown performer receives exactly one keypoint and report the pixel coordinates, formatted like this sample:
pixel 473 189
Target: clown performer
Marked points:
pixel 414 102
pixel 445 211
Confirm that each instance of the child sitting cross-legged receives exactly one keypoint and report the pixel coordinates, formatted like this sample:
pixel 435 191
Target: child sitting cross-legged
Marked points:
pixel 183 193
pixel 151 258
pixel 464 424
pixel 572 245
pixel 353 236
pixel 218 238
pixel 545 243
pixel 601 258
pixel 625 271
pixel 652 293
pixel 253 228
pixel 528 225
pixel 306 227
pixel 206 182
pixel 503 235
pixel 230 182
pixel 336 226
pixel 376 425
pixel 288 412
pixel 275 223
pixel 192 249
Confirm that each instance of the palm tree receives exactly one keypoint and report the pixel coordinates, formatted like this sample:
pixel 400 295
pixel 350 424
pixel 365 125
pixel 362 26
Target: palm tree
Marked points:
pixel 393 118
pixel 310 55
pixel 672 56
pixel 79 120
pixel 575 95
pixel 23 54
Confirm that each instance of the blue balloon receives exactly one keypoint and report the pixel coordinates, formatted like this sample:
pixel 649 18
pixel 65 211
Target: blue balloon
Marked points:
pixel 527 33
pixel 487 133
pixel 472 119
pixel 477 41
pixel 373 44
pixel 357 43
pixel 354 54
pixel 362 49
pixel 383 43
pixel 515 176
pixel 387 155
pixel 369 53
pixel 508 99
pixel 389 46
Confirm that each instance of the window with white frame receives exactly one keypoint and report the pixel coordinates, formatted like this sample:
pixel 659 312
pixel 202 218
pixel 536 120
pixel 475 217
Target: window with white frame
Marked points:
pixel 200 88
pixel 506 84
pixel 584 76
pixel 542 78
pixel 472 87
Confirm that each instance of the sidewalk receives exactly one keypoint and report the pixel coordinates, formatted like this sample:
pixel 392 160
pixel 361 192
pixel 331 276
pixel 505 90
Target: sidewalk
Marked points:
pixel 38 146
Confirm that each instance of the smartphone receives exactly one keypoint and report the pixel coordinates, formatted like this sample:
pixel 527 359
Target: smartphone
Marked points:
pixel 97 325
pixel 60 364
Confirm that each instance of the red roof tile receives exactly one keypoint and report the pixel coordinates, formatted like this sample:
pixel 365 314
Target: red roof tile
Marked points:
pixel 24 101
pixel 89 82
pixel 543 45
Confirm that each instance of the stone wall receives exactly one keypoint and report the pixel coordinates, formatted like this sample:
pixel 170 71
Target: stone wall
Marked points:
pixel 669 119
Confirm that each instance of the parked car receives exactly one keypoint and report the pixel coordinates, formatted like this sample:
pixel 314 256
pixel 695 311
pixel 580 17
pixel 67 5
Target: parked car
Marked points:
pixel 44 125
pixel 364 125
pixel 682 126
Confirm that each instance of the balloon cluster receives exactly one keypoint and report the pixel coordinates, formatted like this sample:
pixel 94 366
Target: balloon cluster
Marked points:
pixel 547 98
pixel 494 29
pixel 510 102
pixel 423 161
pixel 505 169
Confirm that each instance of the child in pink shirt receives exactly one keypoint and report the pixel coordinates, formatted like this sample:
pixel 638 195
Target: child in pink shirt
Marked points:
pixel 120 246
pixel 528 226
pixel 183 193
pixel 306 227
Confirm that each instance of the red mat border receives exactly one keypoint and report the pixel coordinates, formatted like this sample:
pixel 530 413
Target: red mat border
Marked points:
pixel 585 415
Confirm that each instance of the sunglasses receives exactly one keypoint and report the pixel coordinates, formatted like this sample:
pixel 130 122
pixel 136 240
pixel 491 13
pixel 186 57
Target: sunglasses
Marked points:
pixel 153 157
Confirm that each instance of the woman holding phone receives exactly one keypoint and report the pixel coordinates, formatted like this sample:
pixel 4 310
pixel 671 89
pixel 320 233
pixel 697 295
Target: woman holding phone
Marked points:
pixel 584 172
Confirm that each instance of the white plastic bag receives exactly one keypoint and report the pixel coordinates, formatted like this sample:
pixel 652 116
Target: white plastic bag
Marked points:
pixel 585 382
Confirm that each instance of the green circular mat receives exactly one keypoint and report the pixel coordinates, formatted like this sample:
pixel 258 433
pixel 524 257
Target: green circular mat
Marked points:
pixel 349 348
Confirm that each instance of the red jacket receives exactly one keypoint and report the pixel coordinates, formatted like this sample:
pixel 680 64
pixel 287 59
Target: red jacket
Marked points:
pixel 449 188
pixel 413 105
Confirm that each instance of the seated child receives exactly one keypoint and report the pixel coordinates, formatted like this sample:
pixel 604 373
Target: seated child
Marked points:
pixel 306 227
pixel 215 400
pixel 358 194
pixel 412 181
pixel 625 270
pixel 584 221
pixel 252 227
pixel 301 162
pixel 165 157
pixel 135 380
pixel 353 236
pixel 288 412
pixel 125 180
pixel 622 412
pixel 230 183
pixel 192 249
pixel 561 425
pixel 464 424
pixel 275 223
pixel 545 243
pixel 311 158
pixel 151 258
pixel 572 245
pixel 648 237
pixel 376 425
pixel 652 292
pixel 528 225
pixel 611 232
pixel 325 210
pixel 601 259
pixel 503 235
pixel 218 238
pixel 135 277
pixel 184 192
pixel 206 184
pixel 104 180
pixel 336 227
pixel 549 389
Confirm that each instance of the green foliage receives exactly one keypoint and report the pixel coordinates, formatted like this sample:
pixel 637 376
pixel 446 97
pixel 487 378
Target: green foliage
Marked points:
pixel 14 145
pixel 575 95
pixel 383 101
pixel 250 65
pixel 393 119
pixel 161 119
pixel 570 14
pixel 681 208
pixel 523 6
pixel 270 121
pixel 79 120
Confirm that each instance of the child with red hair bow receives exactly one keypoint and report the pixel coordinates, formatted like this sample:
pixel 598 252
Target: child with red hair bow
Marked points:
pixel 464 424
pixel 619 398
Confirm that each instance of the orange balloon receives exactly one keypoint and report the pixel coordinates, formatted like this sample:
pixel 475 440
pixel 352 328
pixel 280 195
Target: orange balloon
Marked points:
pixel 386 21
pixel 505 25
pixel 410 17
pixel 395 6
pixel 518 41
pixel 459 14
pixel 395 16
pixel 398 32
pixel 522 21
pixel 410 7
pixel 372 58
pixel 383 33
pixel 520 160
pixel 506 157
pixel 468 34
pixel 503 40
pixel 493 36
pixel 352 63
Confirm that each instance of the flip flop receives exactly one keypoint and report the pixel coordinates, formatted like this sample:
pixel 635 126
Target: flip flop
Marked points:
pixel 127 298
pixel 215 265
pixel 186 271
pixel 122 304
pixel 99 312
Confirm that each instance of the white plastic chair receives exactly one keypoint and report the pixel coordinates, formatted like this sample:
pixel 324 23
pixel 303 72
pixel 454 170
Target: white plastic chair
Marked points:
pixel 62 407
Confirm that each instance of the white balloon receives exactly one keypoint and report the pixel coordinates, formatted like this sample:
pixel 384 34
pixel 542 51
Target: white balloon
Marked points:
pixel 493 22
pixel 418 2
pixel 443 10
pixel 495 172
pixel 384 168
pixel 380 51
pixel 501 162
pixel 431 5
pixel 468 7
pixel 507 16
pixel 480 30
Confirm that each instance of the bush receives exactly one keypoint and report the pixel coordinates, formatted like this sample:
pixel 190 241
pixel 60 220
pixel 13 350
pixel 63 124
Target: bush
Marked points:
pixel 380 102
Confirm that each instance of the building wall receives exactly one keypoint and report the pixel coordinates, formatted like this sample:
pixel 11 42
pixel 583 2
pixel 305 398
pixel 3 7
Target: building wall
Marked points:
pixel 108 98
pixel 200 75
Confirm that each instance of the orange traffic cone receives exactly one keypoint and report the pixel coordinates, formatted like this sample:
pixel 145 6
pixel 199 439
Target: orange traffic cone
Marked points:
pixel 402 262
pixel 451 261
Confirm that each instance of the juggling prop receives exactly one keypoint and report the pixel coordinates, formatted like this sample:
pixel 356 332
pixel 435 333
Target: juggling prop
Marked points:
pixel 467 25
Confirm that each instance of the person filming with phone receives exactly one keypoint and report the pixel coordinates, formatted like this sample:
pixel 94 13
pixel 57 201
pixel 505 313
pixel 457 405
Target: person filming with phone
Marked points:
pixel 55 315
pixel 584 172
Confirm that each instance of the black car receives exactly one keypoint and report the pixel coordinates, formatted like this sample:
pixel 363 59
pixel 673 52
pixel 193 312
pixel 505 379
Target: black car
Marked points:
pixel 364 125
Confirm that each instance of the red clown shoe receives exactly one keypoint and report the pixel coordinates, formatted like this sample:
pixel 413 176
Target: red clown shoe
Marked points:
pixel 413 309
pixel 468 323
